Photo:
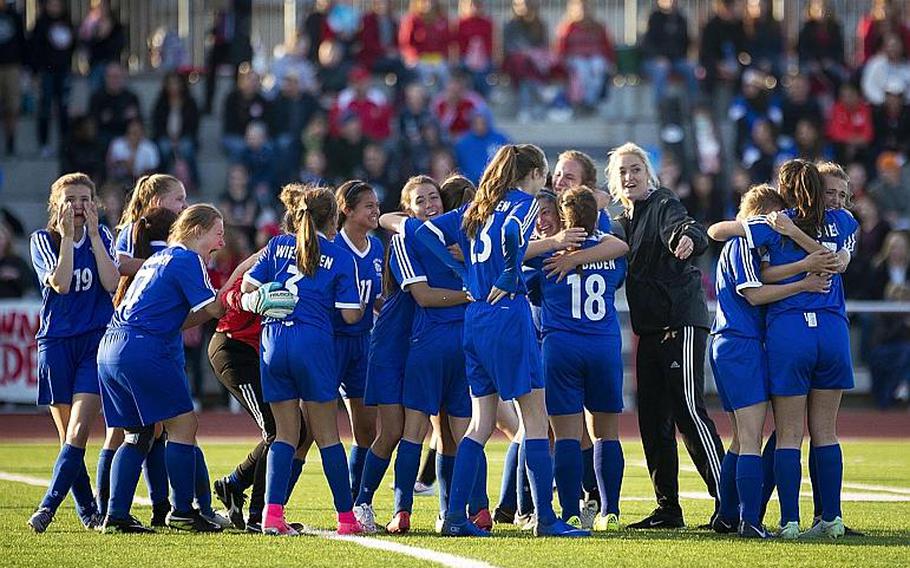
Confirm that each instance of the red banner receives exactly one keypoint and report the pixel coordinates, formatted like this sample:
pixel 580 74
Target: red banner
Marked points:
pixel 18 353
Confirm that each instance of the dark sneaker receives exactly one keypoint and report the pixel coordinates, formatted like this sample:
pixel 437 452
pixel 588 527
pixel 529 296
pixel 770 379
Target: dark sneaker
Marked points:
pixel 660 519
pixel 192 521
pixel 851 532
pixel 40 519
pixel 233 499
pixel 559 528
pixel 722 526
pixel 159 513
pixel 254 526
pixel 503 516
pixel 747 530
pixel 129 525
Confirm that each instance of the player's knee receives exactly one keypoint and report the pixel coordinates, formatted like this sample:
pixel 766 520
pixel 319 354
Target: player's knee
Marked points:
pixel 140 437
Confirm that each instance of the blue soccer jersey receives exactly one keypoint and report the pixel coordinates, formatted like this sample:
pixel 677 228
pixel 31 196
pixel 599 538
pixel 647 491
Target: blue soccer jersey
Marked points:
pixel 88 305
pixel 583 302
pixel 334 285
pixel 170 285
pixel 423 266
pixel 369 270
pixel 738 269
pixel 494 254
pixel 837 233
pixel 127 247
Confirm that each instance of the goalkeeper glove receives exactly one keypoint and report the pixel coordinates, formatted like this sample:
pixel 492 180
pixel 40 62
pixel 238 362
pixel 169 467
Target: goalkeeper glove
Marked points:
pixel 269 300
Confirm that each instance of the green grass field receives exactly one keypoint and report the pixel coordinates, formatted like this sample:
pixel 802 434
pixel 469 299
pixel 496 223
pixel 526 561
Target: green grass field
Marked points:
pixel 877 502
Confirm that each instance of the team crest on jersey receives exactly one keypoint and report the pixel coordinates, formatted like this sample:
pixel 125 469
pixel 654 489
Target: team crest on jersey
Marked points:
pixel 377 265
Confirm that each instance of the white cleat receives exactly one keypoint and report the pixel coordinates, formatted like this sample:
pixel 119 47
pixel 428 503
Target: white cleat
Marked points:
pixel 589 510
pixel 219 519
pixel 365 516
pixel 826 529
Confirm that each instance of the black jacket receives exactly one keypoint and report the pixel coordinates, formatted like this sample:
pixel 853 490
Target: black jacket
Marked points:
pixel 667 35
pixel 663 292
pixel 189 118
pixel 12 38
pixel 52 43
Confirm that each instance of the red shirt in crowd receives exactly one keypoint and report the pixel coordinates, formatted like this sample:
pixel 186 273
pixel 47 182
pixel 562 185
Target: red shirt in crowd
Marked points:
pixel 236 323
pixel 474 36
pixel 849 125
pixel 870 38
pixel 584 39
pixel 373 45
pixel 455 117
pixel 418 38
pixel 373 110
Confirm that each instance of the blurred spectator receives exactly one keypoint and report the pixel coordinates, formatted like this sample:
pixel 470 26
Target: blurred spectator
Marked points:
pixel 381 173
pixel 316 132
pixel 442 163
pixel 798 104
pixel 291 59
pixel 527 57
pixel 258 156
pixel 333 67
pixel 12 56
pixel 342 24
pixel 722 41
pixel 474 38
pixel 83 151
pixel 869 241
pixel 454 106
pixel 314 27
pixel 168 51
pixel 757 101
pixel 889 359
pixel 368 102
pixel 314 168
pixel 478 146
pixel 229 40
pixel 884 17
pixel 111 196
pixel 761 154
pixel 705 203
pixel 16 276
pixel 289 115
pixel 104 38
pixel 671 175
pixel 850 125
pixel 889 192
pixel 344 152
pixel 584 47
pixel 808 143
pixel 764 37
pixel 820 47
pixel 243 105
pixel 423 39
pixel 132 155
pixel 114 106
pixel 238 203
pixel 859 177
pixel 892 122
pixel 889 66
pixel 51 46
pixel 175 125
pixel 740 181
pixel 665 47
pixel 411 120
pixel 379 43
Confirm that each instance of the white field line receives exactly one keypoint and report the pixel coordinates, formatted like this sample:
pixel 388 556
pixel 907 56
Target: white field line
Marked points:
pixel 442 558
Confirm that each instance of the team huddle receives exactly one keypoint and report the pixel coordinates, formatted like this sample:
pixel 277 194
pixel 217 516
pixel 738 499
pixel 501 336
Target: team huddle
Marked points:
pixel 490 308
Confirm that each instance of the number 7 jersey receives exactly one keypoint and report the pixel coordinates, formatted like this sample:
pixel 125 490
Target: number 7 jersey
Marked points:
pixel 334 285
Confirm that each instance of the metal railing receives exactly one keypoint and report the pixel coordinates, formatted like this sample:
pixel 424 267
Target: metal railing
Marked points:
pixel 274 21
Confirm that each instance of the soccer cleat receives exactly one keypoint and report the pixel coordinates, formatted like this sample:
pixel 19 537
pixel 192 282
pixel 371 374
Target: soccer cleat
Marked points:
pixel 850 532
pixel 574 521
pixel 278 527
pixel 233 500
pixel 526 522
pixel 483 520
pixel 160 511
pixel 40 519
pixel 349 526
pixel 790 531
pixel 423 490
pixel 660 519
pixel 254 526
pixel 192 521
pixel 129 525
pixel 365 516
pixel 589 510
pixel 747 530
pixel 826 529
pixel 440 521
pixel 559 528
pixel 400 523
pixel 93 522
pixel 464 528
pixel 219 519
pixel 610 522
pixel 722 526
pixel 503 516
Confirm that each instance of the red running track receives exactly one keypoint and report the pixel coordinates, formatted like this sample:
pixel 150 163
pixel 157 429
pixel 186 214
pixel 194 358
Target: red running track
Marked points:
pixel 852 423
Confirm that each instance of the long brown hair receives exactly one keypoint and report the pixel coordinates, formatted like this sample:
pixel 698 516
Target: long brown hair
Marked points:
pixel 511 164
pixel 146 189
pixel 456 191
pixel 348 196
pixel 154 226
pixel 801 186
pixel 404 203
pixel 192 222
pixel 578 208
pixel 310 209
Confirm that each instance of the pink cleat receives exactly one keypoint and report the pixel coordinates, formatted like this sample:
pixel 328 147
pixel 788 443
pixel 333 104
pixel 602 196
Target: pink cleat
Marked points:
pixel 483 520
pixel 400 523
pixel 348 524
pixel 274 523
